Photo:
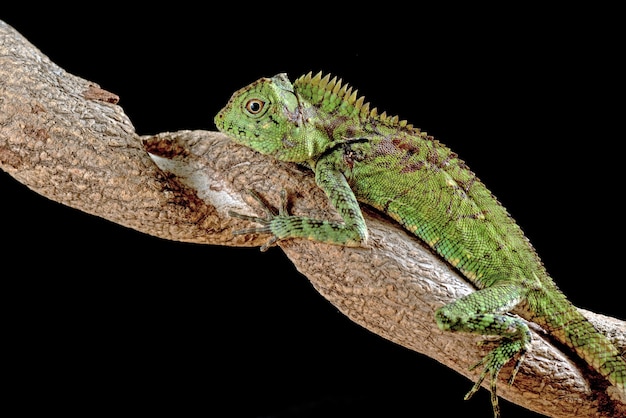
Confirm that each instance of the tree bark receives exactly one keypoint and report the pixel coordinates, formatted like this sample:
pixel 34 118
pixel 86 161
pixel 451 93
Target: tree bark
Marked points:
pixel 67 139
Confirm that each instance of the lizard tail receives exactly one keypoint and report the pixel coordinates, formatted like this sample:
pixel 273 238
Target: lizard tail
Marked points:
pixel 593 347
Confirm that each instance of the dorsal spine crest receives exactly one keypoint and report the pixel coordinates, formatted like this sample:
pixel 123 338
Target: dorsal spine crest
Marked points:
pixel 334 95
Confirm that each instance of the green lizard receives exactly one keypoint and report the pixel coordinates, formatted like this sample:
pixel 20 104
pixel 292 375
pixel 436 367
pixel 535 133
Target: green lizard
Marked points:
pixel 359 155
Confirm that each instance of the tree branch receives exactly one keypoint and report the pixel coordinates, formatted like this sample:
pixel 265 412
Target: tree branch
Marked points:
pixel 65 138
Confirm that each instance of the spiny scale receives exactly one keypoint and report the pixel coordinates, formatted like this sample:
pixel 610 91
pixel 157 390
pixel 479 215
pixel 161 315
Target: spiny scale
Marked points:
pixel 328 85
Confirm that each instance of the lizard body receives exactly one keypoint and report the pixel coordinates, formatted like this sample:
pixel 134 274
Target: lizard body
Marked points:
pixel 359 155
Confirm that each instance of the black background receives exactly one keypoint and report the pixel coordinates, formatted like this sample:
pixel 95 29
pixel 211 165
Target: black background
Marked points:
pixel 103 318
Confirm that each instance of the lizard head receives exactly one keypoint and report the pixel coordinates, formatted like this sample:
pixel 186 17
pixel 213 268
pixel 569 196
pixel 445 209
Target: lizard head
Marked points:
pixel 268 117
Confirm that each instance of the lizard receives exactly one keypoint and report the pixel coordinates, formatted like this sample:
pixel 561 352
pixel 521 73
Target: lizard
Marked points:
pixel 360 156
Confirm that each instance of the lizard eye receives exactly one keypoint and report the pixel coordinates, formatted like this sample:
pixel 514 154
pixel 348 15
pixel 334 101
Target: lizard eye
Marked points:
pixel 255 106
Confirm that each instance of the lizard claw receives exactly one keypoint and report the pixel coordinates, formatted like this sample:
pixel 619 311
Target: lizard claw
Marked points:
pixel 493 374
pixel 493 363
pixel 265 222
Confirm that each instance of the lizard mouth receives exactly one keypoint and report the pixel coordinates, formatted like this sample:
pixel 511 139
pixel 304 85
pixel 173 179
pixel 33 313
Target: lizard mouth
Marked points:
pixel 219 120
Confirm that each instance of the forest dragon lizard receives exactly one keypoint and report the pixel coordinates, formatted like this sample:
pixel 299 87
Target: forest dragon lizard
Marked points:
pixel 360 155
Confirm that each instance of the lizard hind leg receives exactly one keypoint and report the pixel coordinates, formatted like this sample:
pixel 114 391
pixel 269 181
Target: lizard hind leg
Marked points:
pixel 484 312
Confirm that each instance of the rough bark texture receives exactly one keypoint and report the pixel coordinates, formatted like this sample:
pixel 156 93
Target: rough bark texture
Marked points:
pixel 66 139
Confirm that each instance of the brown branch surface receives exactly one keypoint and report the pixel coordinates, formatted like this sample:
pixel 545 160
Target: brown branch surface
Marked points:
pixel 65 138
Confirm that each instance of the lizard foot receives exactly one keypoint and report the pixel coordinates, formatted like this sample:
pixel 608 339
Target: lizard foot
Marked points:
pixel 493 363
pixel 265 221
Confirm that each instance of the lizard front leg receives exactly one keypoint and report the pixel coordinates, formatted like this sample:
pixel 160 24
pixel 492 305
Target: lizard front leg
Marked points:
pixel 351 232
pixel 484 312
